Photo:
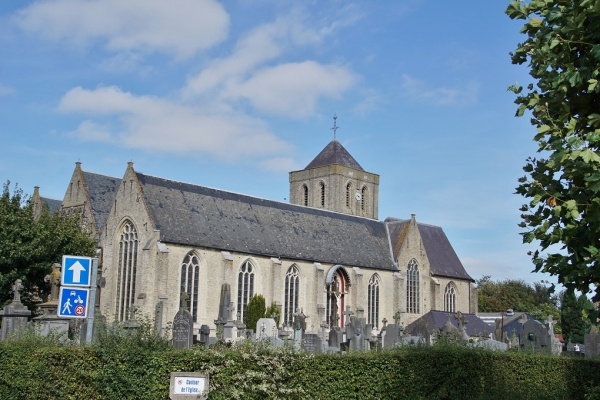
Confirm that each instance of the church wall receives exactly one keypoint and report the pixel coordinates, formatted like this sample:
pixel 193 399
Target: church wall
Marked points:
pixel 76 200
pixel 463 291
pixel 128 206
pixel 412 248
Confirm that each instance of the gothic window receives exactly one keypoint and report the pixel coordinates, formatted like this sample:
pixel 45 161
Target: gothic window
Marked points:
pixel 450 298
pixel 292 289
pixel 348 194
pixel 412 287
pixel 337 292
pixel 190 269
pixel 363 199
pixel 245 288
pixel 126 270
pixel 304 195
pixel 322 187
pixel 373 302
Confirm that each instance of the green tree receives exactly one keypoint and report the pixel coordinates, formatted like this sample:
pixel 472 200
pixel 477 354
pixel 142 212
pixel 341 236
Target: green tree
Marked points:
pixel 255 310
pixel 273 312
pixel 518 295
pixel 562 50
pixel 574 319
pixel 29 246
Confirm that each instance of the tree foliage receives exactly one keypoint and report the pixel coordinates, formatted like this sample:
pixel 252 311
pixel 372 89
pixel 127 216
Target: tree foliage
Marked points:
pixel 30 245
pixel 562 51
pixel 516 294
pixel 574 319
pixel 255 310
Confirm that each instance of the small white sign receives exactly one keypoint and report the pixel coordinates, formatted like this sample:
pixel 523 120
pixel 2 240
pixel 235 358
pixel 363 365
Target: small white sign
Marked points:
pixel 192 384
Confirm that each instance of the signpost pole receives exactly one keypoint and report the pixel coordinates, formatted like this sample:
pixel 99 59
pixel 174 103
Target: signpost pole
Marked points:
pixel 92 301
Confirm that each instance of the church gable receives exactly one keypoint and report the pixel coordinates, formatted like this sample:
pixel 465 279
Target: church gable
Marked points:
pixel 199 216
pixel 101 190
pixel 442 257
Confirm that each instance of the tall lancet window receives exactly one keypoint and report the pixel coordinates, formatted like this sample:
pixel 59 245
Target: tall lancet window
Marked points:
pixel 373 302
pixel 126 270
pixel 450 298
pixel 245 288
pixel 322 187
pixel 348 194
pixel 337 292
pixel 291 291
pixel 190 270
pixel 412 288
pixel 304 195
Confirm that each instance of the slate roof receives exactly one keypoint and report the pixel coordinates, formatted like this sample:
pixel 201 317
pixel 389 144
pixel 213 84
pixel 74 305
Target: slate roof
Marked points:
pixel 199 216
pixel 101 190
pixel 443 260
pixel 334 153
pixel 53 205
pixel 436 319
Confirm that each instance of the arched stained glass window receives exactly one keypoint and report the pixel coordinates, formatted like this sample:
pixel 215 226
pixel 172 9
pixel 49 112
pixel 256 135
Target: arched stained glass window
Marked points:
pixel 292 290
pixel 126 270
pixel 190 271
pixel 412 288
pixel 450 298
pixel 373 302
pixel 245 288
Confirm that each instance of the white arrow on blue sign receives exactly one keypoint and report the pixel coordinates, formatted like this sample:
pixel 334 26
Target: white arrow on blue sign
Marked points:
pixel 76 271
pixel 73 302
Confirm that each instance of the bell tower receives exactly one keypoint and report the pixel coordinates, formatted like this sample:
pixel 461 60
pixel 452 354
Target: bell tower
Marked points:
pixel 335 181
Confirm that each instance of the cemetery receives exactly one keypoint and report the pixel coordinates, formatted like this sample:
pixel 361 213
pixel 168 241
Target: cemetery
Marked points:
pixel 45 358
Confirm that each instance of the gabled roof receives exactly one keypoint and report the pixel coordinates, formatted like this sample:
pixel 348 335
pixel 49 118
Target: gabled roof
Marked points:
pixel 199 216
pixel 53 204
pixel 443 260
pixel 334 153
pixel 436 319
pixel 101 190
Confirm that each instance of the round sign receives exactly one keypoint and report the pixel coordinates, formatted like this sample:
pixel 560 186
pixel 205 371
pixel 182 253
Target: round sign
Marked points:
pixel 79 310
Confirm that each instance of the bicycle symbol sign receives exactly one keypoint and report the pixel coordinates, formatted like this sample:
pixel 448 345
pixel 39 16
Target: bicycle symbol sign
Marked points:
pixel 73 302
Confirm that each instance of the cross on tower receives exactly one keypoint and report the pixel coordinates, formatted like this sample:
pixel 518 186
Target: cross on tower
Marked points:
pixel 335 127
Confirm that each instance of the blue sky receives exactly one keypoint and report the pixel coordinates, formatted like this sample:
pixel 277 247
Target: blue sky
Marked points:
pixel 236 94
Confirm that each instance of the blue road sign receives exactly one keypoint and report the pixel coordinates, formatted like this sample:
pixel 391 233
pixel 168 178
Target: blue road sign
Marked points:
pixel 76 271
pixel 73 302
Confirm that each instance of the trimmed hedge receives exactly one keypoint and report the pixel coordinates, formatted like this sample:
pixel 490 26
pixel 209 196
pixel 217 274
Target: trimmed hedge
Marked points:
pixel 40 370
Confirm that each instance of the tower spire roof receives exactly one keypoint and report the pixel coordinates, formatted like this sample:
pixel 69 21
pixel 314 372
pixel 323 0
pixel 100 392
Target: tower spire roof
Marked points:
pixel 334 153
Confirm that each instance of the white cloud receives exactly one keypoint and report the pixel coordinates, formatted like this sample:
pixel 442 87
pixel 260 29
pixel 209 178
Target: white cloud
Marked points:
pixel 252 73
pixel 160 125
pixel 293 89
pixel 442 95
pixel 179 27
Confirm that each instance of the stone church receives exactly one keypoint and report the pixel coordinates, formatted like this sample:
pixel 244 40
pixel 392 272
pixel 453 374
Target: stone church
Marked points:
pixel 324 253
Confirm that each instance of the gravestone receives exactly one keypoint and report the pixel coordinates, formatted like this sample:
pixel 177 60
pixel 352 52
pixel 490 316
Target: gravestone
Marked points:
pixel 336 338
pixel 358 334
pixel 224 303
pixel 183 324
pixel 230 330
pixel 491 344
pixel 204 335
pixel 14 315
pixel 391 336
pixel 266 328
pixel 49 323
pixel 299 328
pixel 312 343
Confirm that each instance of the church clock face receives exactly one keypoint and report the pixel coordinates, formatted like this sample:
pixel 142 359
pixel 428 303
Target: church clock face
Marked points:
pixel 358 196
